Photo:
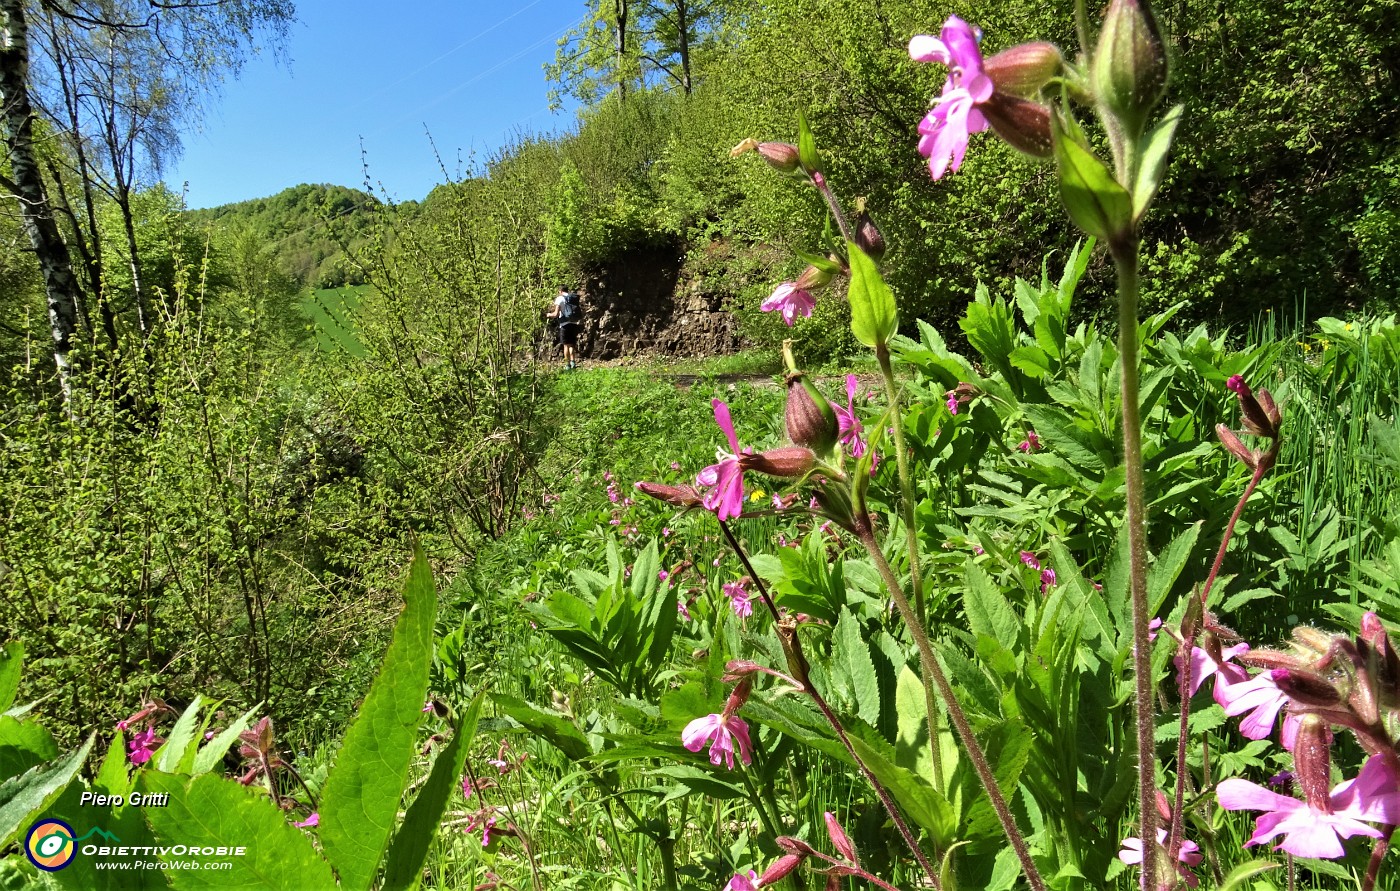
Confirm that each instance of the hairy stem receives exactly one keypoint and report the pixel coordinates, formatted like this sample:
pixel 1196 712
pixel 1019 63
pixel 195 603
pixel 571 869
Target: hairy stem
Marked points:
pixel 1183 670
pixel 1373 868
pixel 933 672
pixel 820 182
pixel 792 645
pixel 1125 259
pixel 911 537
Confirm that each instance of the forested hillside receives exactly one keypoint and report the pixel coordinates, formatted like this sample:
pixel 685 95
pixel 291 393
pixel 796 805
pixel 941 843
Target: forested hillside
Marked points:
pixel 306 227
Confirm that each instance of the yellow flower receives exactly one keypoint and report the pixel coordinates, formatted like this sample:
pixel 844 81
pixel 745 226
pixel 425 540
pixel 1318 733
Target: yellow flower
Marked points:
pixel 1307 347
pixel 757 495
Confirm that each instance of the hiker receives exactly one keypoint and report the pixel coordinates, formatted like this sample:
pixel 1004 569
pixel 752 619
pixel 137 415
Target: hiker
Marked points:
pixel 565 309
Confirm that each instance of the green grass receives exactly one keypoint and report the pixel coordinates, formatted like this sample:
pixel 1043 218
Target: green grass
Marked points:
pixel 331 312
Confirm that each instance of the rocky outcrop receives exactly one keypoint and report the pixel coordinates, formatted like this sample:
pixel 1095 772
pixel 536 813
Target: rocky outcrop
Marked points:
pixel 642 303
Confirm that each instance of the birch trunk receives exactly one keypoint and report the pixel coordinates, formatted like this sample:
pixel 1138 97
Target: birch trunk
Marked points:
pixel 17 126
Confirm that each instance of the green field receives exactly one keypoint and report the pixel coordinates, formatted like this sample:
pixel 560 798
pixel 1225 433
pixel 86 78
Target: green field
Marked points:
pixel 331 312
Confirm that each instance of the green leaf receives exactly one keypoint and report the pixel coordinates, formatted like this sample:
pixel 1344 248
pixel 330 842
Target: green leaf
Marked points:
pixel 1153 153
pixel 556 729
pixel 212 755
pixel 23 745
pixel 24 796
pixel 1246 871
pixel 362 792
pixel 403 866
pixel 988 611
pixel 1167 568
pixel 694 781
pixel 182 739
pixel 1094 199
pixel 851 656
pixel 210 811
pixel 807 146
pixel 874 319
pixel 918 799
pixel 11 663
pixel 112 777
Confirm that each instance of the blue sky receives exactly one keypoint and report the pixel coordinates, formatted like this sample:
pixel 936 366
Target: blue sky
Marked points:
pixel 470 72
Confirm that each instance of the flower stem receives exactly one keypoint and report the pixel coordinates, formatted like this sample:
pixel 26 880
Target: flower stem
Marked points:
pixel 1177 833
pixel 820 182
pixel 1373 868
pixel 911 536
pixel 1125 259
pixel 932 671
pixel 792 645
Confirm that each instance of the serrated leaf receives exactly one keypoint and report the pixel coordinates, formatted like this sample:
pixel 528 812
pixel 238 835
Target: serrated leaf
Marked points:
pixel 1152 165
pixel 24 796
pixel 851 657
pixel 210 811
pixel 212 754
pixel 23 744
pixel 403 865
pixel 112 777
pixel 1167 568
pixel 987 609
pixel 180 739
pixel 11 664
pixel 874 319
pixel 559 731
pixel 360 801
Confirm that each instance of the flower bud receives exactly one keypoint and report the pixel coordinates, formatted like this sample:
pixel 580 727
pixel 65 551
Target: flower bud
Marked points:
pixel 810 420
pixel 1234 446
pixel 1130 64
pixel 1306 688
pixel 795 845
pixel 1021 124
pixel 839 838
pixel 1312 762
pixel 738 696
pixel 867 235
pixel 685 496
pixel 780 869
pixel 789 462
pixel 813 278
pixel 1022 70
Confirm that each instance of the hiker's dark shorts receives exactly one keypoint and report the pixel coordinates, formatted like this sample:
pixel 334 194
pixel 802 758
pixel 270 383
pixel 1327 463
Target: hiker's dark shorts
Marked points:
pixel 568 334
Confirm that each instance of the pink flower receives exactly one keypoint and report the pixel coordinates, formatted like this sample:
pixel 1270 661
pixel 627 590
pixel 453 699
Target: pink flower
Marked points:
pixel 676 465
pixel 739 598
pixel 1236 384
pixel 313 820
pixel 944 131
pixel 427 707
pixel 723 734
pixel 952 402
pixel 1152 627
pixel 1030 444
pixel 1190 854
pixel 683 610
pixel 742 882
pixel 725 479
pixel 1047 578
pixel 791 301
pixel 486 826
pixel 1225 671
pixel 1308 831
pixel 1029 559
pixel 662 576
pixel 143 745
pixel 1259 696
pixel 849 429
pixel 467 788
pixel 665 531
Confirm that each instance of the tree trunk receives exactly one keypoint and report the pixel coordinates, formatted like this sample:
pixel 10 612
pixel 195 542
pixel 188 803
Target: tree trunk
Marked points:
pixel 683 45
pixel 620 19
pixel 17 124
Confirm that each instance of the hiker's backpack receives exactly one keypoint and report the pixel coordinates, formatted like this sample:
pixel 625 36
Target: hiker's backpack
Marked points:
pixel 569 310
